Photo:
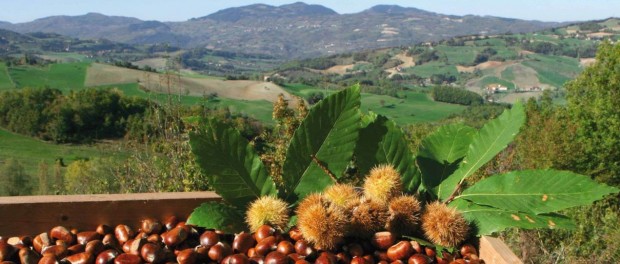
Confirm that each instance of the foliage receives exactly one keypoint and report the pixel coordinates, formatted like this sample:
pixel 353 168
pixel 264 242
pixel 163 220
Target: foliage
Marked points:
pixel 91 177
pixel 446 159
pixel 456 95
pixel 80 116
pixel 592 103
pixel 14 180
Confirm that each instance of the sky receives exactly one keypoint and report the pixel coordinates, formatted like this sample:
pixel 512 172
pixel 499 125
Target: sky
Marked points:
pixel 16 11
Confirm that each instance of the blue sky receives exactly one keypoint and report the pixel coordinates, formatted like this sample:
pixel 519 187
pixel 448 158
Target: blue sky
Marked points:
pixel 180 10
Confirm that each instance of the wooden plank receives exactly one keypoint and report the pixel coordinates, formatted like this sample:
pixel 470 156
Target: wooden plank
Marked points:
pixel 31 215
pixel 495 251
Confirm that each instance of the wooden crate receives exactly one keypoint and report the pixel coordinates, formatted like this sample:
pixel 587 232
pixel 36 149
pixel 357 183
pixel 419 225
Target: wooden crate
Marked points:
pixel 30 215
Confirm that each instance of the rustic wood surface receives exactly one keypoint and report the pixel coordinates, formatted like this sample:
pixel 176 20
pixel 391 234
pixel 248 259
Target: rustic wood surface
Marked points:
pixel 495 251
pixel 31 215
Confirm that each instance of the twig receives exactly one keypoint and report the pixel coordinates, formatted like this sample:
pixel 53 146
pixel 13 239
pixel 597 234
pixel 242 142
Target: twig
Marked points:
pixel 323 167
pixel 456 191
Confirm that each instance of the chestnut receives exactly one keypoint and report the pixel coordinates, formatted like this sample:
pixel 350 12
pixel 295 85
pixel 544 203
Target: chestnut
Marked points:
pixel 94 247
pixel 62 233
pixel 187 256
pixel 87 236
pixel 468 249
pixel 383 240
pixel 358 260
pixel 107 256
pixel 174 236
pixel 104 230
pixel 41 241
pixel 80 258
pixel 28 256
pixel 419 259
pixel 219 251
pixel 151 226
pixel 266 245
pixel 209 238
pixel 276 257
pixel 127 259
pixel 285 247
pixel 236 259
pixel 263 232
pixel 243 242
pixel 401 251
pixel 123 233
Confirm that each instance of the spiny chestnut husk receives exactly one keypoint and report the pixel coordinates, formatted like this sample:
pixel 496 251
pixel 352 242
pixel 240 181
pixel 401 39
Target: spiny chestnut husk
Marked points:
pixel 321 223
pixel 268 210
pixel 368 218
pixel 343 195
pixel 443 225
pixel 404 215
pixel 382 184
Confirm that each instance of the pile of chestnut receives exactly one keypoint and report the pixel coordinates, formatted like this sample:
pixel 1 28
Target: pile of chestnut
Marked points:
pixel 172 241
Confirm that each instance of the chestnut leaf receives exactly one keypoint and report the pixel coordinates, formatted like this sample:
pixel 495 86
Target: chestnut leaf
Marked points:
pixel 441 152
pixel 233 167
pixel 485 145
pixel 328 135
pixel 536 191
pixel 218 216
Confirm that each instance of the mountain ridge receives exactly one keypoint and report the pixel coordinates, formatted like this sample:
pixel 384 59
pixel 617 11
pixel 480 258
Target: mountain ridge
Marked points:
pixel 294 30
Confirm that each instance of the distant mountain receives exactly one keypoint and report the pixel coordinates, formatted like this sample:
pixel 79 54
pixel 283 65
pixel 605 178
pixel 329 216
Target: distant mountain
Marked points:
pixel 288 31
pixel 251 12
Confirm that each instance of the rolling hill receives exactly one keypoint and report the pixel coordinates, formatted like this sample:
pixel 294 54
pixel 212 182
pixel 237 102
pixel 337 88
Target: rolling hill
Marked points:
pixel 288 31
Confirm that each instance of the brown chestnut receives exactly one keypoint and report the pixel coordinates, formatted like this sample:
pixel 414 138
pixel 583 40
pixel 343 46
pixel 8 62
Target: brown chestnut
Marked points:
pixel 62 233
pixel 94 247
pixel 419 259
pixel 107 256
pixel 263 232
pixel 28 256
pixel 127 259
pixel 285 247
pixel 187 256
pixel 123 233
pixel 104 229
pixel 151 226
pixel 243 242
pixel 219 251
pixel 401 251
pixel 468 249
pixel 295 233
pixel 276 257
pixel 41 241
pixel 383 240
pixel 236 259
pixel 87 236
pixel 266 245
pixel 80 258
pixel 174 236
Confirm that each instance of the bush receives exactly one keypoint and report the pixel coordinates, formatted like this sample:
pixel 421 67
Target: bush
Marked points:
pixel 455 95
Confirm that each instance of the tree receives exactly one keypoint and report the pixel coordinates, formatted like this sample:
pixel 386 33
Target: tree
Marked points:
pixel 13 179
pixel 592 103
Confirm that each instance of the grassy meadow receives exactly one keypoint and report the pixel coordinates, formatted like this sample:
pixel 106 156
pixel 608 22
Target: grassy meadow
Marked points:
pixel 31 152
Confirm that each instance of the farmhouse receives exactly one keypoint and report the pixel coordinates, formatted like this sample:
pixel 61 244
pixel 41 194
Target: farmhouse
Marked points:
pixel 496 88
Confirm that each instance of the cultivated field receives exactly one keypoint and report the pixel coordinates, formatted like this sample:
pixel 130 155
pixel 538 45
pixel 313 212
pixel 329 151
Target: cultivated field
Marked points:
pixel 102 74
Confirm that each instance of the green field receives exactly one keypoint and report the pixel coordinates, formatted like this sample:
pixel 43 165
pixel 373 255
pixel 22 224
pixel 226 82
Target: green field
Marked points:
pixel 5 78
pixel 62 76
pixel 260 110
pixel 554 70
pixel 492 79
pixel 427 70
pixel 415 108
pixel 31 152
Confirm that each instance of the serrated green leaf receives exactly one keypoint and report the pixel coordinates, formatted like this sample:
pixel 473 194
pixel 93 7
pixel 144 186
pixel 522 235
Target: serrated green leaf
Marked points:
pixel 234 169
pixel 536 191
pixel 441 152
pixel 381 141
pixel 217 216
pixel 489 219
pixel 488 142
pixel 329 133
